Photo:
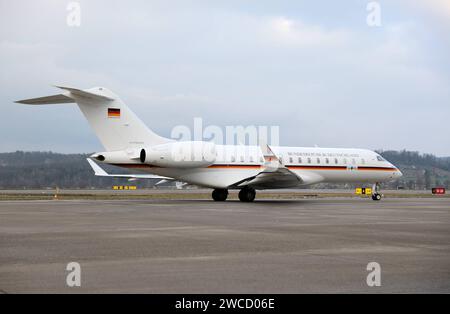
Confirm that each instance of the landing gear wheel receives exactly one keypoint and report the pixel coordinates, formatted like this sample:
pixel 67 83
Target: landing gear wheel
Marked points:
pixel 247 195
pixel 376 197
pixel 219 195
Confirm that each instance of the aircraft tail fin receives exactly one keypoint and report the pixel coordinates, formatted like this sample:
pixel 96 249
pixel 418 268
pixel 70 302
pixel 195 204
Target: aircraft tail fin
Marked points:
pixel 116 126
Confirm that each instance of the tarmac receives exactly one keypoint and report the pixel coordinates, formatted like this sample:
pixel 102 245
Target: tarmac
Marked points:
pixel 200 246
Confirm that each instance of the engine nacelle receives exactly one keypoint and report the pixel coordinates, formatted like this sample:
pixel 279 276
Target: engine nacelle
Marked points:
pixel 193 154
pixel 118 156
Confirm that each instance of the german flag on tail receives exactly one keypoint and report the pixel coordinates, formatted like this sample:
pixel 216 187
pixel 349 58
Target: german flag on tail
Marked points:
pixel 113 113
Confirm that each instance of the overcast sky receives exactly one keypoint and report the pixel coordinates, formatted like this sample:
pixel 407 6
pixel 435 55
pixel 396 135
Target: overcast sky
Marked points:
pixel 314 68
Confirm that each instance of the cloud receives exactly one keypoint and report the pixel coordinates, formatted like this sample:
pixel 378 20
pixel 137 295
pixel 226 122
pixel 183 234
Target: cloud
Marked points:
pixel 440 8
pixel 322 79
pixel 293 32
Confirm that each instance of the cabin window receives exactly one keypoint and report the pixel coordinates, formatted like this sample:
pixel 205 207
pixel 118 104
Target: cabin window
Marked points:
pixel 242 159
pixel 251 158
pixel 327 160
pixel 233 159
pixel 318 160
pixel 336 161
pixel 309 160
pixel 291 160
pixel 299 160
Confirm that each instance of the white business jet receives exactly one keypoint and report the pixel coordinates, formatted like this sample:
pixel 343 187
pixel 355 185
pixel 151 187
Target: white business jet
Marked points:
pixel 129 143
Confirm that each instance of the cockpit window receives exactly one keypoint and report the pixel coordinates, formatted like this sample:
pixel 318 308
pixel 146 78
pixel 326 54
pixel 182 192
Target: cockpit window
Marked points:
pixel 379 158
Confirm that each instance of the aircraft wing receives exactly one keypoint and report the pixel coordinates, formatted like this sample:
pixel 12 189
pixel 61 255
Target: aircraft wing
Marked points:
pixel 271 179
pixel 98 171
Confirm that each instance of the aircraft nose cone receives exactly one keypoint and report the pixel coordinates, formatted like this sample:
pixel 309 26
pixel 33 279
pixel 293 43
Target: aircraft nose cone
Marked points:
pixel 399 173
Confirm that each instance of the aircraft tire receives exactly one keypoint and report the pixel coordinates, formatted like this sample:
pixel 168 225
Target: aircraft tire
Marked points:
pixel 247 195
pixel 219 195
pixel 376 197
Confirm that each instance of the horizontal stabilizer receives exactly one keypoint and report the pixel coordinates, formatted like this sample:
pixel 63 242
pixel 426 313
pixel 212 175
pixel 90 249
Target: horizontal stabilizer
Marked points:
pixel 86 94
pixel 47 100
pixel 68 97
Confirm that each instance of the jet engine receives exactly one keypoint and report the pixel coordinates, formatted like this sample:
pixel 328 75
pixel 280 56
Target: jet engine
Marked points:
pixel 191 154
pixel 118 156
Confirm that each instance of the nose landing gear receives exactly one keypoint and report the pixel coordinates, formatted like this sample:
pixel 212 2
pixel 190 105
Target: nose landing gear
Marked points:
pixel 376 196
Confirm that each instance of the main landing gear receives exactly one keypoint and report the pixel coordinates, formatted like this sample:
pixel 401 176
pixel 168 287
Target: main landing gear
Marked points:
pixel 245 195
pixel 376 196
pixel 220 195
